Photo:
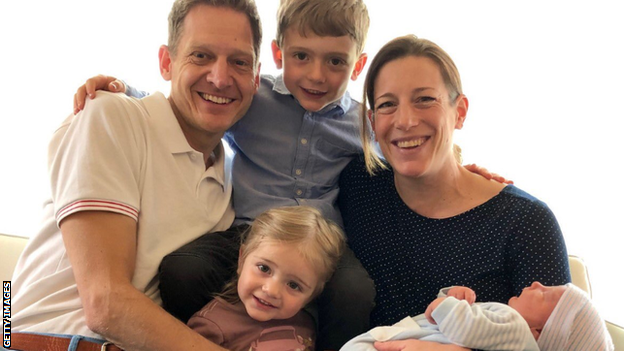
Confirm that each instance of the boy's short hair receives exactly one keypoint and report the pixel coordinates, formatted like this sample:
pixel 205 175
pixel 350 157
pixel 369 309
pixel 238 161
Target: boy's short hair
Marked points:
pixel 575 324
pixel 181 8
pixel 324 18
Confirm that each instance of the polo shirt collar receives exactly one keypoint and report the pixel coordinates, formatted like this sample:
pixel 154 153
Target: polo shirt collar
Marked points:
pixel 344 103
pixel 170 132
pixel 159 109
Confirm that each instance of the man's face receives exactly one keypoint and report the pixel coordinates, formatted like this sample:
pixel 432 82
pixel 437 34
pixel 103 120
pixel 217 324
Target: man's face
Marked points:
pixel 213 72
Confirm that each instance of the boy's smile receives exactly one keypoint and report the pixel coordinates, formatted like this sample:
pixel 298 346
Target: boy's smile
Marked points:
pixel 317 69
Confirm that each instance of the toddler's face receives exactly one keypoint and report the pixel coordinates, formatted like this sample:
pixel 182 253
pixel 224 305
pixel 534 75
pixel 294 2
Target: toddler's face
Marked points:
pixel 317 69
pixel 275 282
pixel 537 302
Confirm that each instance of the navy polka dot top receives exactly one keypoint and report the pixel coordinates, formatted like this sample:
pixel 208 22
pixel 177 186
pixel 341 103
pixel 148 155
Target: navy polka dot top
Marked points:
pixel 496 248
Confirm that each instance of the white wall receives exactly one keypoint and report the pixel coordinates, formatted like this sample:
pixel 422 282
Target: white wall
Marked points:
pixel 544 79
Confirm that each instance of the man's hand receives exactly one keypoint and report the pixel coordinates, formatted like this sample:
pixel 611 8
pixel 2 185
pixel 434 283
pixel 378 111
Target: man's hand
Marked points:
pixel 99 82
pixel 487 174
pixel 416 345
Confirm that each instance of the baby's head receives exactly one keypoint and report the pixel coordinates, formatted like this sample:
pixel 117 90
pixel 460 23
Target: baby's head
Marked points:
pixel 287 256
pixel 319 45
pixel 562 317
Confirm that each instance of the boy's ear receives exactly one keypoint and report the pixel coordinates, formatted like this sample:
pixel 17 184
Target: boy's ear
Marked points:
pixel 359 66
pixel 164 59
pixel 277 54
pixel 462 111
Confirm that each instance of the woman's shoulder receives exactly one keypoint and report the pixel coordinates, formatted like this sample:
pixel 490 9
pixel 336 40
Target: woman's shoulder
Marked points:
pixel 520 200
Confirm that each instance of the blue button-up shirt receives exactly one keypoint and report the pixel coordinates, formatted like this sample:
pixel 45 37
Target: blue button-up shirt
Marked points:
pixel 286 156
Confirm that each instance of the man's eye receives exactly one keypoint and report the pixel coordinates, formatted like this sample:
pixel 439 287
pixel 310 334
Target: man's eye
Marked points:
pixel 199 55
pixel 294 286
pixel 425 99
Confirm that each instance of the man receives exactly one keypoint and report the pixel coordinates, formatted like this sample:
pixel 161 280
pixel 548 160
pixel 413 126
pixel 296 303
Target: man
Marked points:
pixel 132 180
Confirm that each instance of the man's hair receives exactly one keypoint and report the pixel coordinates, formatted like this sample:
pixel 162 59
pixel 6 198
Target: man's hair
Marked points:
pixel 181 8
pixel 333 18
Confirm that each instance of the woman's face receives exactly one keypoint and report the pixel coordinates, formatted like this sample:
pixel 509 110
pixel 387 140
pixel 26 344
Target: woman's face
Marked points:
pixel 413 117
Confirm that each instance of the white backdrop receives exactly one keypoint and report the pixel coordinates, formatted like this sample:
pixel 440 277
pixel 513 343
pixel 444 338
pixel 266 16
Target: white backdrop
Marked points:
pixel 544 80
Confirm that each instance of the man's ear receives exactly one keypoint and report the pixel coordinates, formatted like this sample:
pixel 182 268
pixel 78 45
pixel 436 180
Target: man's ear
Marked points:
pixel 164 59
pixel 277 55
pixel 257 78
pixel 462 111
pixel 371 119
pixel 359 66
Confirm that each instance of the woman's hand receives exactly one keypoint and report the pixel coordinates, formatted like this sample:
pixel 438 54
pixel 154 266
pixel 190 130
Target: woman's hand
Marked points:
pixel 416 345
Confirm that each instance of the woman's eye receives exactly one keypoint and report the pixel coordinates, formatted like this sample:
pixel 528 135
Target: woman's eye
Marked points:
pixel 293 286
pixel 384 105
pixel 425 99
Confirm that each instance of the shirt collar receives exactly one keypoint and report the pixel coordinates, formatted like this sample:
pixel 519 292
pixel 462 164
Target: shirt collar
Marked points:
pixel 343 104
pixel 166 125
pixel 170 134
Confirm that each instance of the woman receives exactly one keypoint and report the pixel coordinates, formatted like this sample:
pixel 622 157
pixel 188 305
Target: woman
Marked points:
pixel 419 221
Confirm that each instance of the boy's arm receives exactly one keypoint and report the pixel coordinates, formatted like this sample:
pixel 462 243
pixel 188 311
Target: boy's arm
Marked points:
pixel 489 326
pixel 106 83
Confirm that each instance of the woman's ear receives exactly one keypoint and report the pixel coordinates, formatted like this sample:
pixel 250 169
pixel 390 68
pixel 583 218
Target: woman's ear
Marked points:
pixel 462 111
pixel 371 119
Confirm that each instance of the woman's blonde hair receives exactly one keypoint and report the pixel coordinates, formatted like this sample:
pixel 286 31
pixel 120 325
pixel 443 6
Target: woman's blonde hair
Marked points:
pixel 409 45
pixel 320 242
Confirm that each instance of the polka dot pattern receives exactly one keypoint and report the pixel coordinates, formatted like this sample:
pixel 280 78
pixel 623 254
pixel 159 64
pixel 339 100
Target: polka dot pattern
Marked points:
pixel 496 248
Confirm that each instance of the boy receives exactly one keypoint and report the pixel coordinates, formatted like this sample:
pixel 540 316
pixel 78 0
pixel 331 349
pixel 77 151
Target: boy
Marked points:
pixel 542 318
pixel 299 133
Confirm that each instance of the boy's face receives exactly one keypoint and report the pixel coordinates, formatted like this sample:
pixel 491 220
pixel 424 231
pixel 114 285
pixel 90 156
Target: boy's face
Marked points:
pixel 317 69
pixel 537 302
pixel 275 282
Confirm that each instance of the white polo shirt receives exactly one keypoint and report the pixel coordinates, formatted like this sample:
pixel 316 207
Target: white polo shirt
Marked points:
pixel 130 157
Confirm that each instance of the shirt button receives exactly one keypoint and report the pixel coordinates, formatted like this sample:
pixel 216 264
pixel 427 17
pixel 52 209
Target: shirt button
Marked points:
pixel 304 141
pixel 299 192
pixel 298 172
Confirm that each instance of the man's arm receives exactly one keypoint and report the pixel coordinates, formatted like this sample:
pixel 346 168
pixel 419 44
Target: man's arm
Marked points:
pixel 102 250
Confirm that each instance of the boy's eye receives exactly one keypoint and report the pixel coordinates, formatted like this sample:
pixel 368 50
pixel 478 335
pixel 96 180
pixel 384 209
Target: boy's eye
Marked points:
pixel 293 286
pixel 336 61
pixel 264 268
pixel 301 56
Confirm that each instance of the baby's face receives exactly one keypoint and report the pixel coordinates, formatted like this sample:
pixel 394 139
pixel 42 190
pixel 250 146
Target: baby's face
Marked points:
pixel 537 302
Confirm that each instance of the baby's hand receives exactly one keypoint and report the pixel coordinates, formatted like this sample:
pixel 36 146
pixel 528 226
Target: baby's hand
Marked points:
pixel 462 293
pixel 432 306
